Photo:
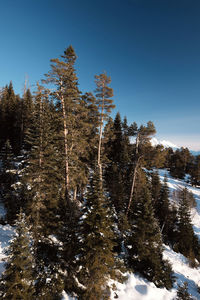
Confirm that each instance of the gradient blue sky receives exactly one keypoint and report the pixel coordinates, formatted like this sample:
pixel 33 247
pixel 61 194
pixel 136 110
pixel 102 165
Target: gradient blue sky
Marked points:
pixel 150 48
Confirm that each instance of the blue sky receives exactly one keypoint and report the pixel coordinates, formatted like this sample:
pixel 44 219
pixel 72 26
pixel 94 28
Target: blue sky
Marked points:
pixel 150 48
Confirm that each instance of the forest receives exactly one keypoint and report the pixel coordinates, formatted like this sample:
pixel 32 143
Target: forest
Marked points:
pixel 83 192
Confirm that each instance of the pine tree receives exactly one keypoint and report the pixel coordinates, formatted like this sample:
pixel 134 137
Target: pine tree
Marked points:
pixel 116 169
pixel 142 134
pixel 144 243
pixel 155 187
pixel 10 115
pixel 187 242
pixel 17 281
pixel 42 179
pixel 73 126
pixel 97 260
pixel 42 188
pixel 162 209
pixel 27 106
pixel 8 178
pixel 194 171
pixel 105 105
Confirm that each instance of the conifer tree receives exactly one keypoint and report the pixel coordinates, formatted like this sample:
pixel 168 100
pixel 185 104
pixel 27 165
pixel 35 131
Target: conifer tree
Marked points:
pixel 187 243
pixel 72 124
pixel 42 177
pixel 9 127
pixel 162 209
pixel 97 260
pixel 42 184
pixel 155 187
pixel 105 105
pixel 116 169
pixel 8 177
pixel 27 106
pixel 194 171
pixel 17 281
pixel 142 134
pixel 144 243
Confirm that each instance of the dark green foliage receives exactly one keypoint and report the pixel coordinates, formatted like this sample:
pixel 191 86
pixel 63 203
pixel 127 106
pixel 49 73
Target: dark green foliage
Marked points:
pixel 182 293
pixel 49 280
pixel 62 135
pixel 187 242
pixel 144 243
pixel 162 210
pixel 42 179
pixel 97 260
pixel 15 114
pixel 180 162
pixel 116 174
pixel 195 171
pixel 73 123
pixel 155 188
pixel 43 185
pixel 26 117
pixel 68 234
pixel 9 175
pixel 17 281
pixel 172 227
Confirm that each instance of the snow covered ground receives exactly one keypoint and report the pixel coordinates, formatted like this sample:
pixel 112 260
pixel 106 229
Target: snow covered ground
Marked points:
pixel 138 288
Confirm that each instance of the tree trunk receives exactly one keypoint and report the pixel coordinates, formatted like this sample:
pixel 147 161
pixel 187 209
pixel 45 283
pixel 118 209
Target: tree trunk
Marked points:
pixel 100 141
pixel 65 133
pixel 132 187
pixel 135 171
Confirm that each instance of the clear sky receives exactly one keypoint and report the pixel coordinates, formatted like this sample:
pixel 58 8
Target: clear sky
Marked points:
pixel 150 48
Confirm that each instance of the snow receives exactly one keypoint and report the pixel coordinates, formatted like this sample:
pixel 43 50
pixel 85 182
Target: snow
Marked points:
pixel 166 144
pixel 6 234
pixel 136 287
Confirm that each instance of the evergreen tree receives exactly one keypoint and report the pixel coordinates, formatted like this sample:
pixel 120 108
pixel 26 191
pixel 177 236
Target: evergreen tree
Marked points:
pixel 144 243
pixel 105 105
pixel 10 115
pixel 143 135
pixel 116 169
pixel 42 183
pixel 155 157
pixel 8 177
pixel 97 260
pixel 194 171
pixel 162 209
pixel 42 178
pixel 155 187
pixel 27 106
pixel 72 123
pixel 17 282
pixel 187 242
pixel 180 162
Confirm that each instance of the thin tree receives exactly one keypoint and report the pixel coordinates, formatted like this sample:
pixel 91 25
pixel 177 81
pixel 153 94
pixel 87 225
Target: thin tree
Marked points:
pixel 143 134
pixel 105 104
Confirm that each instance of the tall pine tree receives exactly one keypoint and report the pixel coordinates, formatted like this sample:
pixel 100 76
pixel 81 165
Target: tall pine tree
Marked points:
pixel 97 259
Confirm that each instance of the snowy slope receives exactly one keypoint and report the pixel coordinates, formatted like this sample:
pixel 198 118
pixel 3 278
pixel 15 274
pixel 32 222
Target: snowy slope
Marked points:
pixel 6 233
pixel 138 288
